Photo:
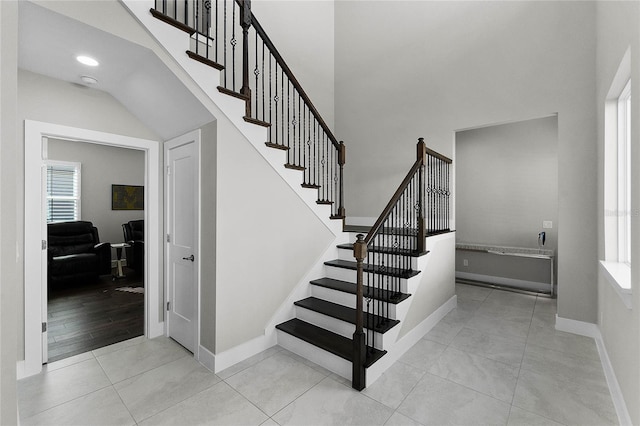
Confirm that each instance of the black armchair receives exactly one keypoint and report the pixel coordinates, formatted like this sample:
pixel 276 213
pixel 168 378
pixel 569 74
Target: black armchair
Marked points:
pixel 134 236
pixel 75 253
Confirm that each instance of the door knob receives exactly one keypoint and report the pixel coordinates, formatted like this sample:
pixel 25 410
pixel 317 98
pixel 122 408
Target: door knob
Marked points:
pixel 191 258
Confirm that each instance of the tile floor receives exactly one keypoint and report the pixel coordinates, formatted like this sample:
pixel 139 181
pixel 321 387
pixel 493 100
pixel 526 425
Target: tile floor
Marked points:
pixel 496 359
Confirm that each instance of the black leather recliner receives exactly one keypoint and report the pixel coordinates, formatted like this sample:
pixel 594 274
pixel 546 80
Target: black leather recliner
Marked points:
pixel 134 236
pixel 75 253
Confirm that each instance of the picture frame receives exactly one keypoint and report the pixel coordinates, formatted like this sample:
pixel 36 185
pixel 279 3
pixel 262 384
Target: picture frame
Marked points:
pixel 127 197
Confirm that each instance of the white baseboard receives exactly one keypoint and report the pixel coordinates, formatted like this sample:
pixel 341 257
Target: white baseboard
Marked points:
pixel 508 282
pixel 243 351
pixel 206 358
pixel 592 330
pixel 580 328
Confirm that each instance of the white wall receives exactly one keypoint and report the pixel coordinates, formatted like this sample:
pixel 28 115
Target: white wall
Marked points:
pixel 303 32
pixel 103 166
pixel 10 197
pixel 267 241
pixel 618 29
pixel 208 234
pixel 411 69
pixel 506 186
pixel 45 99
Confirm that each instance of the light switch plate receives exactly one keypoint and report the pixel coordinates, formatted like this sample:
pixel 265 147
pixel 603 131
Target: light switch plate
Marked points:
pixel 547 224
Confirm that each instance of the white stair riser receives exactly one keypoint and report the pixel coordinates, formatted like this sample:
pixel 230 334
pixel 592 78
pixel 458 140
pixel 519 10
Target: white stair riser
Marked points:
pixel 348 299
pixel 340 327
pixel 379 258
pixel 349 275
pixel 407 285
pixel 331 362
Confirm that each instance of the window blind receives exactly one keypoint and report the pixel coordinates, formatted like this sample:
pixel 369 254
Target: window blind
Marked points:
pixel 63 192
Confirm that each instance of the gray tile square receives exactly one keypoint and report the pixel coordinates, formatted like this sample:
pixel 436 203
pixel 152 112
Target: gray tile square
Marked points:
pixel 136 359
pixel 218 405
pixel 520 417
pixel 331 403
pixel 153 391
pixel 515 326
pixel 102 407
pixel 549 337
pixel 394 385
pixel 48 389
pixel 423 354
pixel 436 401
pixel 492 346
pixel 563 401
pixel 275 382
pixel 490 377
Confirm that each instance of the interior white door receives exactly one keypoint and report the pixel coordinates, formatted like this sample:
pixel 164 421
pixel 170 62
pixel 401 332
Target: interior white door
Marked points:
pixel 182 178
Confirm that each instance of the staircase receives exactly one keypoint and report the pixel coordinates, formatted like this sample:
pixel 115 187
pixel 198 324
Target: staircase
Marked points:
pixel 351 317
pixel 327 319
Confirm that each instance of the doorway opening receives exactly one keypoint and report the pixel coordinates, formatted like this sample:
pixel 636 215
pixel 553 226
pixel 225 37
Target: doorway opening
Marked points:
pixel 37 137
pixel 95 292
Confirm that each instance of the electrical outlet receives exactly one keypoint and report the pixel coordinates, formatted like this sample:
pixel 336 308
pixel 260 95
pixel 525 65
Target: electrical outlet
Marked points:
pixel 465 262
pixel 547 224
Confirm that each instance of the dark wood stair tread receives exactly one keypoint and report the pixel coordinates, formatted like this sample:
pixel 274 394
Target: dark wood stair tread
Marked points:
pixel 169 20
pixel 230 92
pixel 324 202
pixel 344 313
pixel 386 250
pixel 327 340
pixel 375 293
pixel 204 60
pixel 389 271
pixel 294 167
pixel 256 121
pixel 277 146
pixel 311 185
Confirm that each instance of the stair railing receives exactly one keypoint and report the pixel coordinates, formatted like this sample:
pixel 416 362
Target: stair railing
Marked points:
pixel 418 208
pixel 252 69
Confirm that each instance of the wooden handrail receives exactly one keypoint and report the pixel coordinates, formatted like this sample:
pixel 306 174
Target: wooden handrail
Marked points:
pixel 375 229
pixel 294 81
pixel 438 155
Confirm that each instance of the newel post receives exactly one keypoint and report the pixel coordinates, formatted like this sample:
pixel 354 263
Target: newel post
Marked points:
pixel 358 379
pixel 342 158
pixel 245 22
pixel 422 234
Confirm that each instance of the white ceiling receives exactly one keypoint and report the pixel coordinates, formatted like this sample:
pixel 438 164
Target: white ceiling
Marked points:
pixel 49 43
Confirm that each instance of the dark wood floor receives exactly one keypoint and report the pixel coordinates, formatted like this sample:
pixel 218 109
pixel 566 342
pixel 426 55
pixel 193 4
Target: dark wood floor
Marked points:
pixel 90 316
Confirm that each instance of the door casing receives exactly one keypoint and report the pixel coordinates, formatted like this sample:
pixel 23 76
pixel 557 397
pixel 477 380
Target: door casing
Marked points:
pixel 35 136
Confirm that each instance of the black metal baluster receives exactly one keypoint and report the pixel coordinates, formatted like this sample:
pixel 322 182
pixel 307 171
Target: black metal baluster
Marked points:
pixel 282 109
pixel 216 39
pixel 300 130
pixel 224 43
pixel 291 148
pixel 263 109
pixel 275 99
pixel 270 104
pixel 256 72
pixel 233 47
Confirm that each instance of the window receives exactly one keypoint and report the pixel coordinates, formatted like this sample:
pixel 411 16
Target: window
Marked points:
pixel 616 265
pixel 63 191
pixel 624 174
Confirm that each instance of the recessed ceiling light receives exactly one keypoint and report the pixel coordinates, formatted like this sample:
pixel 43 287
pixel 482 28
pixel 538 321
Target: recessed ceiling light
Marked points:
pixel 86 60
pixel 88 80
